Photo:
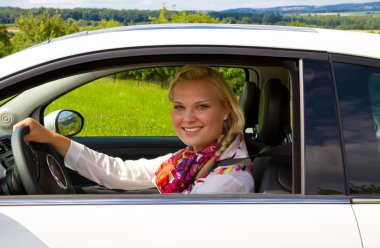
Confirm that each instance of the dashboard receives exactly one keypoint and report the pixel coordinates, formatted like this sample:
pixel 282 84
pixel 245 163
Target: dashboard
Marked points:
pixel 6 162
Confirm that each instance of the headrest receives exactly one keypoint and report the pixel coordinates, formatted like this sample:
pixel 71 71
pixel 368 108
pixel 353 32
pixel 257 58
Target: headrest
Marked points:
pixel 249 101
pixel 274 112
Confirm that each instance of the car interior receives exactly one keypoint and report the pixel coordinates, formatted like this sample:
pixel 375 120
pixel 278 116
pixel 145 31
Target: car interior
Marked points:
pixel 271 127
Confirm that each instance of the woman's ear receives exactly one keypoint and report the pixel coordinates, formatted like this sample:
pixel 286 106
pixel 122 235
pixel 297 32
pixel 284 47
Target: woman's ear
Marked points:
pixel 227 111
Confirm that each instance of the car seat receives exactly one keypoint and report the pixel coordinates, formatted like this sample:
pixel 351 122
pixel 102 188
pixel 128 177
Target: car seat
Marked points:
pixel 273 173
pixel 249 102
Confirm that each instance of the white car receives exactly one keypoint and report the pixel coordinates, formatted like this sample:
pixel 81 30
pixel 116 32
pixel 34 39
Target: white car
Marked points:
pixel 311 99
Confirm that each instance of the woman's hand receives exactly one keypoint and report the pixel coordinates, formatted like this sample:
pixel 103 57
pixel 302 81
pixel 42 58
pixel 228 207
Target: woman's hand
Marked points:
pixel 40 134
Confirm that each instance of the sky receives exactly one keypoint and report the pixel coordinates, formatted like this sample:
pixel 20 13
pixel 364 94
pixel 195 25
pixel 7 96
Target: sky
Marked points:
pixel 170 4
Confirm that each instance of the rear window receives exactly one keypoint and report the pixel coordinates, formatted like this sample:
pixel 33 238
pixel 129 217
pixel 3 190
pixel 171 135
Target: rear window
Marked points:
pixel 359 101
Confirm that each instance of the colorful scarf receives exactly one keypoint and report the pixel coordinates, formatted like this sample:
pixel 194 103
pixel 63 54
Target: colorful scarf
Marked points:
pixel 178 173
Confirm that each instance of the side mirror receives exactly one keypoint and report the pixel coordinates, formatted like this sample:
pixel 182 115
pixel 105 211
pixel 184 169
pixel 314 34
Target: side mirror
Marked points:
pixel 65 122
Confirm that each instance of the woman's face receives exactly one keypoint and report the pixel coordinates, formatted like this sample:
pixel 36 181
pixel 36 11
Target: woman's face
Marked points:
pixel 198 115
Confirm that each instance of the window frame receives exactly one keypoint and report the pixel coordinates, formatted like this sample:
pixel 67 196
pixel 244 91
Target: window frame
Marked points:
pixel 143 55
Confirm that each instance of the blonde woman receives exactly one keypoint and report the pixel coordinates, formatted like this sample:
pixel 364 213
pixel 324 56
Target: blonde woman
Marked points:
pixel 206 116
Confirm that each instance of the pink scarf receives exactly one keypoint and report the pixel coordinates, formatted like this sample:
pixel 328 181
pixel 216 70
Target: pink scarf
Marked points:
pixel 178 173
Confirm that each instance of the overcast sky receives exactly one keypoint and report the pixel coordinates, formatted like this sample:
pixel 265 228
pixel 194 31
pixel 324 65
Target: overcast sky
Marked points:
pixel 170 4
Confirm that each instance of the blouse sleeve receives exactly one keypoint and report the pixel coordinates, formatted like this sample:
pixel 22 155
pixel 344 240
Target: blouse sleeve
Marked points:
pixel 111 172
pixel 226 179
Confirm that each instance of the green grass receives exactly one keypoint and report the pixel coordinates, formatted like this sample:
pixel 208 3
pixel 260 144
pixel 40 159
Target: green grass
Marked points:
pixel 119 108
pixel 362 13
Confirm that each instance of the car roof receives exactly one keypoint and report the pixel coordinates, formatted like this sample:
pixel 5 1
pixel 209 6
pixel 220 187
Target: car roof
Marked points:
pixel 259 36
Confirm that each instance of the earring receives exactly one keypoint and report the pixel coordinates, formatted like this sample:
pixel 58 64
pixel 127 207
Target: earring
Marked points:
pixel 225 117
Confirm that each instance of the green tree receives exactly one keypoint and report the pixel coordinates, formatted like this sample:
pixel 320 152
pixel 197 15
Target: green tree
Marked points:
pixel 164 17
pixel 271 18
pixel 185 17
pixel 35 29
pixel 235 77
pixel 109 24
pixel 297 24
pixel 98 25
pixel 182 17
pixel 5 43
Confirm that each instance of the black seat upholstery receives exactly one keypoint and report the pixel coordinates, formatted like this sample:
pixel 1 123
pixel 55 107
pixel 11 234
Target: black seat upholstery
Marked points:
pixel 274 113
pixel 249 101
pixel 273 174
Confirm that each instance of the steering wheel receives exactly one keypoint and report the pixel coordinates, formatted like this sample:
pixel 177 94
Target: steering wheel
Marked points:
pixel 39 166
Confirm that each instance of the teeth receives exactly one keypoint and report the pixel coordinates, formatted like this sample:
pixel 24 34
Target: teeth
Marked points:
pixel 193 129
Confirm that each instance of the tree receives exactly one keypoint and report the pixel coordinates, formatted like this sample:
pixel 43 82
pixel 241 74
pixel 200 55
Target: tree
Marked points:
pixel 109 24
pixel 5 43
pixel 183 17
pixel 36 29
pixel 99 25
pixel 162 18
pixel 235 77
pixel 271 18
pixel 296 24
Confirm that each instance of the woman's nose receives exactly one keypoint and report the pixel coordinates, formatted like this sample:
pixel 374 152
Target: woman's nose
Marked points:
pixel 189 115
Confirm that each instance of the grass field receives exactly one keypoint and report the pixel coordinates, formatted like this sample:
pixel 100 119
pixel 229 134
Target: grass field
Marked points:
pixel 357 13
pixel 119 108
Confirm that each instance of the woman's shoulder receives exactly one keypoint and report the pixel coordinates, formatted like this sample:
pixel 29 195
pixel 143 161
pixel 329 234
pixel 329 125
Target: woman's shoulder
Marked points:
pixel 226 179
pixel 237 149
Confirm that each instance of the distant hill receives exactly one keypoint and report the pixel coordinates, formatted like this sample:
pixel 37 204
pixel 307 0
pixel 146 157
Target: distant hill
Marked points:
pixel 348 7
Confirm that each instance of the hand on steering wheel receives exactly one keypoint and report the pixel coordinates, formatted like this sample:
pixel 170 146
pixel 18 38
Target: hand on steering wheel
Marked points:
pixel 39 166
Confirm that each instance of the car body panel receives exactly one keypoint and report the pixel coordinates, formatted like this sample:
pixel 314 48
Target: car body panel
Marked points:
pixel 190 224
pixel 368 218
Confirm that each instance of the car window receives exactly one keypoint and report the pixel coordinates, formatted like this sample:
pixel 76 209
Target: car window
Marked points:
pixel 359 101
pixel 130 103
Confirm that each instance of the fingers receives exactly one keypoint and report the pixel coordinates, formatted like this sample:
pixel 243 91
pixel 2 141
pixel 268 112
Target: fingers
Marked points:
pixel 37 131
pixel 25 122
pixel 40 134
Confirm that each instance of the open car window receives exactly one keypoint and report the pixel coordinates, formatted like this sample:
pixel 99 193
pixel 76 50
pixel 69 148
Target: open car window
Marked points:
pixel 134 103
pixel 130 103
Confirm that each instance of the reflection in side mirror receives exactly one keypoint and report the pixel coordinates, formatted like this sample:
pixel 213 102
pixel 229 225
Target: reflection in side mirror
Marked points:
pixel 65 122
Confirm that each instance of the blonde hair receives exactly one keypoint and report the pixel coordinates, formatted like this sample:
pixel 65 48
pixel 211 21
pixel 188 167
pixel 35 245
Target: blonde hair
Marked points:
pixel 235 122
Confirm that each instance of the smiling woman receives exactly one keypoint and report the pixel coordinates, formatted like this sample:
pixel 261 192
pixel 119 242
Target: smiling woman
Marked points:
pixel 208 119
pixel 198 114
pixel 200 94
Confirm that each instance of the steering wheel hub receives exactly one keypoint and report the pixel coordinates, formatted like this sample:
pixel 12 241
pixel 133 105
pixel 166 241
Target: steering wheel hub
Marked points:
pixel 56 171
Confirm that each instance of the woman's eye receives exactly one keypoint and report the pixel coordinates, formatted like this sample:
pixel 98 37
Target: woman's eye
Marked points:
pixel 203 106
pixel 178 107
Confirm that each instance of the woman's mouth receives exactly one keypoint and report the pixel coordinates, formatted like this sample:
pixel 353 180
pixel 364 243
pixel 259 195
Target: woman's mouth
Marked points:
pixel 191 129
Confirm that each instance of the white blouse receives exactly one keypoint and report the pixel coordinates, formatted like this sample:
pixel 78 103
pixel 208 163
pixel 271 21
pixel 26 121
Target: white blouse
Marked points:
pixel 114 173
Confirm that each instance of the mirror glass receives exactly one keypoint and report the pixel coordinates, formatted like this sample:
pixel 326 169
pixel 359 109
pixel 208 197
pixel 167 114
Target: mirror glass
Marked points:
pixel 69 123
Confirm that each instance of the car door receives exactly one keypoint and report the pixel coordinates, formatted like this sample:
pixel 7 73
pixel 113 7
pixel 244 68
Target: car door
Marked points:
pixel 318 212
pixel 167 221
